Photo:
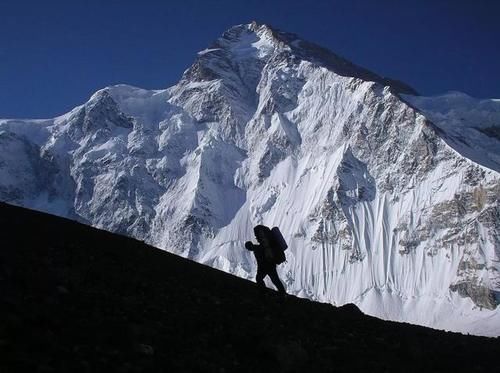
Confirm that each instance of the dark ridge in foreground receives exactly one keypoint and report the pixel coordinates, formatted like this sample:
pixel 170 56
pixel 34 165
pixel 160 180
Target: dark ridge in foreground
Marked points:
pixel 77 299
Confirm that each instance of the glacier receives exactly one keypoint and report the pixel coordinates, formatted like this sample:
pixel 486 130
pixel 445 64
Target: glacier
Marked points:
pixel 388 199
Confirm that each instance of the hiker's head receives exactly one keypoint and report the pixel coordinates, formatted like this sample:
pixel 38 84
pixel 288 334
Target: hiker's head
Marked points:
pixel 258 236
pixel 259 231
pixel 248 245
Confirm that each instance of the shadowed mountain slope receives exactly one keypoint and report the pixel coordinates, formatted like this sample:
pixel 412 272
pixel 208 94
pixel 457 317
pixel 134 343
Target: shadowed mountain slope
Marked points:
pixel 77 299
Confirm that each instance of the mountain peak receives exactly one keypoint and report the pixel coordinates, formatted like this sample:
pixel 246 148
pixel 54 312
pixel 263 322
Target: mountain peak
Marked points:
pixel 252 39
pixel 267 128
pixel 254 26
pixel 261 41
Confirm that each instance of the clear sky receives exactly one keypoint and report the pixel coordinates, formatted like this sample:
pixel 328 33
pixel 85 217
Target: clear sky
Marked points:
pixel 55 54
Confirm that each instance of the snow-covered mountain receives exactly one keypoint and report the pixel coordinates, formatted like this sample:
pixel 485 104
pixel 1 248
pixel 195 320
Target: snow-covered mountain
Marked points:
pixel 388 199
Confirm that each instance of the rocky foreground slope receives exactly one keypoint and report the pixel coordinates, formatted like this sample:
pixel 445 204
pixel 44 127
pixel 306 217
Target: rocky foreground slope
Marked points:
pixel 77 299
pixel 388 200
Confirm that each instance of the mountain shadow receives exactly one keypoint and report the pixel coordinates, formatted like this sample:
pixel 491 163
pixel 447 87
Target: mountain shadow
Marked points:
pixel 77 299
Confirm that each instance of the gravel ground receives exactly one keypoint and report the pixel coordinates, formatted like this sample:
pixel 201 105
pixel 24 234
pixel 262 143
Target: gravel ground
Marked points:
pixel 77 299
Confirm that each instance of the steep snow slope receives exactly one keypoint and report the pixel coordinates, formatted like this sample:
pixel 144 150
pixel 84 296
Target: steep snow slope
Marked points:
pixel 384 200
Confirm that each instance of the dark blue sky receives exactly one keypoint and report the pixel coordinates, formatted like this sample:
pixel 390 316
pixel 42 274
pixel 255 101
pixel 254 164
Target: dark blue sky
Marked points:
pixel 55 54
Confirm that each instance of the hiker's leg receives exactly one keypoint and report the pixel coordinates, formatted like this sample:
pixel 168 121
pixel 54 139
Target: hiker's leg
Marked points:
pixel 276 280
pixel 260 278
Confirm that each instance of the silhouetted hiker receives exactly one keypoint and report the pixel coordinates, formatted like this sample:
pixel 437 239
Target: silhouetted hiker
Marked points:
pixel 264 268
pixel 267 254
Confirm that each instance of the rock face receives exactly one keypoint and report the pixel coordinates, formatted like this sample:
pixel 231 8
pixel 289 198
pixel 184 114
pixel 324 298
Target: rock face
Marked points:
pixel 388 200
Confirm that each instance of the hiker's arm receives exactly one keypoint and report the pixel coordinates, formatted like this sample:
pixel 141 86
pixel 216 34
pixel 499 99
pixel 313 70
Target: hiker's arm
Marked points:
pixel 252 247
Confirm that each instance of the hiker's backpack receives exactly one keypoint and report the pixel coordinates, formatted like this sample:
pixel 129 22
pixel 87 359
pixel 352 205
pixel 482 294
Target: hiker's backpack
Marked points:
pixel 273 242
